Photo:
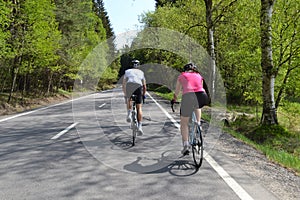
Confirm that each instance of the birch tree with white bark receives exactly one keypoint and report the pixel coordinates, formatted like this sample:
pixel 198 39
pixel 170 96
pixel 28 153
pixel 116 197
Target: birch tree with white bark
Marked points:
pixel 269 115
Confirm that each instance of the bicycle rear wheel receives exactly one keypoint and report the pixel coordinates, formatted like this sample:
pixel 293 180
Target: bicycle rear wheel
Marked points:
pixel 197 147
pixel 133 135
pixel 133 124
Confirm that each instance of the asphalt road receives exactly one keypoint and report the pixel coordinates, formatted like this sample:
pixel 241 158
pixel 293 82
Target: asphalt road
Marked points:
pixel 81 149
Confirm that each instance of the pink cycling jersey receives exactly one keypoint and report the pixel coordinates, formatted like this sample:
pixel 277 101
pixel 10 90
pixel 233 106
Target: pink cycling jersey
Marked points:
pixel 191 82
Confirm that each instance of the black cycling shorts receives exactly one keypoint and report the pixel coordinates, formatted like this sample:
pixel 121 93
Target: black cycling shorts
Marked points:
pixel 191 101
pixel 136 89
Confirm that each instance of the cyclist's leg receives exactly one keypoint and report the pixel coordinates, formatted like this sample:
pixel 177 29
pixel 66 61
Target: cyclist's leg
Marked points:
pixel 185 113
pixel 129 91
pixel 139 112
pixel 198 115
pixel 129 104
pixel 138 100
pixel 184 128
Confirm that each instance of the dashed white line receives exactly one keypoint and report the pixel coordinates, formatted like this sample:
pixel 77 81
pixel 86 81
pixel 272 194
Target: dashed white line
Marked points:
pixel 240 192
pixel 102 105
pixel 64 131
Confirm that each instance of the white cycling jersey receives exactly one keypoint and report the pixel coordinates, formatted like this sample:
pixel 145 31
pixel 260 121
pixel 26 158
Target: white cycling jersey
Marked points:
pixel 134 76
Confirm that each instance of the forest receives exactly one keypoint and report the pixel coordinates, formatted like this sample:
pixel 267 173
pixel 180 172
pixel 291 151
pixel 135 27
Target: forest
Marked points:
pixel 43 43
pixel 255 45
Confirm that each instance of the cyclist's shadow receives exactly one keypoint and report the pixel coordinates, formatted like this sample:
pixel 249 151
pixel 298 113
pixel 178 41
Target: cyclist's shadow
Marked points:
pixel 180 166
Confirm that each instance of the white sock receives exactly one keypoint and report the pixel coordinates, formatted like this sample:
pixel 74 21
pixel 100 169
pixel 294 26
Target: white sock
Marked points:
pixel 199 123
pixel 186 143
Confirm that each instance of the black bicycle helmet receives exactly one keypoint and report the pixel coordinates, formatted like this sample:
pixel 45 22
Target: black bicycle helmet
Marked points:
pixel 190 66
pixel 136 63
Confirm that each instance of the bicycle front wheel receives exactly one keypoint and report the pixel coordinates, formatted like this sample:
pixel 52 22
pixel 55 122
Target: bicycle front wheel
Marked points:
pixel 197 147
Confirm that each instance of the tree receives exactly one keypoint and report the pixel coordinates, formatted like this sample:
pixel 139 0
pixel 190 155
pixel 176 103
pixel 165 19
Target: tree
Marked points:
pixel 238 53
pixel 33 42
pixel 161 3
pixel 81 31
pixel 286 43
pixel 110 35
pixel 269 115
pixel 5 49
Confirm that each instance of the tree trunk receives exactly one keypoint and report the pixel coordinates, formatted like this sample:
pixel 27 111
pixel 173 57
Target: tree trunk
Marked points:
pixel 269 115
pixel 211 45
pixel 13 83
pixel 49 88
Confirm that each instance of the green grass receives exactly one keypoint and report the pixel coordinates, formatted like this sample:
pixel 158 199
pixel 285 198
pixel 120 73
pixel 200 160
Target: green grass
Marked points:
pixel 280 143
pixel 279 156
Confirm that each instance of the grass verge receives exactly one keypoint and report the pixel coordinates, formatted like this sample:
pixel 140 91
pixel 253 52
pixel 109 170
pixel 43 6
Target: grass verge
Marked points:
pixel 277 142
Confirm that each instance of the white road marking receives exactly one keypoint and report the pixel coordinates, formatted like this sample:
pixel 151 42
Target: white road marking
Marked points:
pixel 228 179
pixel 64 131
pixel 102 105
pixel 44 108
pixel 242 194
pixel 164 111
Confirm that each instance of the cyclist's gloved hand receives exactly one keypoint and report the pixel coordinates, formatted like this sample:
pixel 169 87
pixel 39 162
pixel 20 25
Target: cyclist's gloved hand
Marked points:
pixel 144 97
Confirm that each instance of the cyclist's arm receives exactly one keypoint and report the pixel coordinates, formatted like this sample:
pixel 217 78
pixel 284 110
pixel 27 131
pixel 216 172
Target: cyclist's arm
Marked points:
pixel 144 87
pixel 177 90
pixel 205 86
pixel 124 85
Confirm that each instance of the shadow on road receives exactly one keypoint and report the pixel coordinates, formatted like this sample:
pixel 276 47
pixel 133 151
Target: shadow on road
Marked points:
pixel 181 166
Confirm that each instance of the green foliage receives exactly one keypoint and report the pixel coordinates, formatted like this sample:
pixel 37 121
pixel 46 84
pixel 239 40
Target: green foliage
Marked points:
pixel 237 42
pixel 276 138
pixel 268 134
pixel 108 78
pixel 4 24
pixel 44 42
pixel 42 37
pixel 280 143
pixel 286 48
pixel 162 89
pixel 289 115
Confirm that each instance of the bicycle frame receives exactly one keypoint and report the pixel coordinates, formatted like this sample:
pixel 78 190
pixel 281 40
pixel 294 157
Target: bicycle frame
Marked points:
pixel 192 128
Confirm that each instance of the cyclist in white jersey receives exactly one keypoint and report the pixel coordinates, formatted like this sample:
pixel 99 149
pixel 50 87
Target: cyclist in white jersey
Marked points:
pixel 134 82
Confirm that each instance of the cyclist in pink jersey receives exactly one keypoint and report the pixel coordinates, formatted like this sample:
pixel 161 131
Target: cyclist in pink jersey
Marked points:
pixel 194 97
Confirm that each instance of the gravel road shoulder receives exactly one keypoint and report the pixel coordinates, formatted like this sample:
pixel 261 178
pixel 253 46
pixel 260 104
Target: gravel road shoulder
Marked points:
pixel 282 182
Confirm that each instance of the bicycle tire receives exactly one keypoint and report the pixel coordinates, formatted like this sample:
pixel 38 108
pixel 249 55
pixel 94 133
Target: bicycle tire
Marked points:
pixel 134 130
pixel 134 125
pixel 133 135
pixel 197 148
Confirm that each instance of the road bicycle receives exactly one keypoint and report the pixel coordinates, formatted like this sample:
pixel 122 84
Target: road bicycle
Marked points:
pixel 195 138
